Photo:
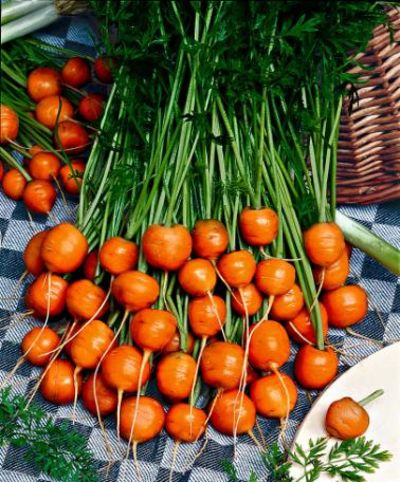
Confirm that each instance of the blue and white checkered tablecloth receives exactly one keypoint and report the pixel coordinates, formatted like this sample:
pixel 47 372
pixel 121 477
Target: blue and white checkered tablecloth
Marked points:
pixel 155 456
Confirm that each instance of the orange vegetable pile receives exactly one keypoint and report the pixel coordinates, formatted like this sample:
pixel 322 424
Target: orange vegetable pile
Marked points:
pixel 120 330
pixel 33 181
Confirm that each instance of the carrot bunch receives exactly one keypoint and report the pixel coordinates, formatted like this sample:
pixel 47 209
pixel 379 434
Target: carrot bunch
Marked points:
pixel 116 338
pixel 49 109
pixel 205 251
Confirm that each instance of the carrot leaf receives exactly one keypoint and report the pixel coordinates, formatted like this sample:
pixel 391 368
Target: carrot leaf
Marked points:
pixel 346 461
pixel 55 449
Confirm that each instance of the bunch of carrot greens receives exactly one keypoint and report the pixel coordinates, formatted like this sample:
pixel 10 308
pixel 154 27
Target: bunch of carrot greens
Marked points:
pixel 207 211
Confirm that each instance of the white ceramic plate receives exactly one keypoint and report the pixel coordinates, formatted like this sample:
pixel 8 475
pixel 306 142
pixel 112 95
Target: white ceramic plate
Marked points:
pixel 380 370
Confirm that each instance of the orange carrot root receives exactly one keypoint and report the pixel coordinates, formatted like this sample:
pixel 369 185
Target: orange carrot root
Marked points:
pixel 11 374
pixel 68 340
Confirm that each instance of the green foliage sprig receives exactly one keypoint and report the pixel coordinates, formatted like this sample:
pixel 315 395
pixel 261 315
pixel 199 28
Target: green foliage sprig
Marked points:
pixel 56 450
pixel 349 461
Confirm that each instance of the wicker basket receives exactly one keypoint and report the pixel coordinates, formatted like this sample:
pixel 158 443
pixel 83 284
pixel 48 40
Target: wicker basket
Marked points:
pixel 368 168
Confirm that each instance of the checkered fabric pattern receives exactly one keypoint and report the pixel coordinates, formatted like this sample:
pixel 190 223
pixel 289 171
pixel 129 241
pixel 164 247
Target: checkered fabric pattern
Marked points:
pixel 155 457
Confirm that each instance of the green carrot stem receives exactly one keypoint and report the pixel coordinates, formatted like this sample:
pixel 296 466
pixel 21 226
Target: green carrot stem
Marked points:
pixel 294 240
pixel 8 158
pixel 371 397
pixel 313 159
pixel 236 150
pixel 12 74
pixel 331 156
pixel 183 157
pixel 294 140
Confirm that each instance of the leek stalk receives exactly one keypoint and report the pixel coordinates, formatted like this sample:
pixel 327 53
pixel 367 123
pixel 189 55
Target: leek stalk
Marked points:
pixel 364 239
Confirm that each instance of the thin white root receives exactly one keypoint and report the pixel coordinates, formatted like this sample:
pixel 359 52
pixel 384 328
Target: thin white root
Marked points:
pixel 120 395
pixel 196 373
pixel 164 289
pixel 282 432
pixel 373 304
pixel 76 390
pixel 198 454
pixel 174 454
pixel 218 394
pixel 36 387
pixel 255 440
pixel 145 359
pixel 223 280
pixel 136 460
pixel 363 337
pixel 260 432
pixel 347 354
pixel 18 146
pixel 268 256
pixel 20 281
pixel 53 218
pixel 217 314
pixel 96 371
pixel 54 357
pixel 243 375
pixel 104 434
pixel 321 282
pixel 31 222
pixel 266 314
pixel 70 214
pixel 17 320
pixel 10 375
pixel 300 335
